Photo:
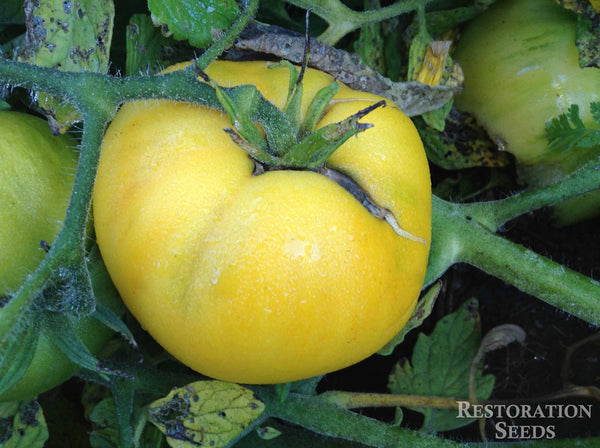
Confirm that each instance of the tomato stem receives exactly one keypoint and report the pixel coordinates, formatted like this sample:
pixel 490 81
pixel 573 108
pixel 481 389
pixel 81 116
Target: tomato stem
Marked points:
pixel 494 214
pixel 343 20
pixel 459 238
pixel 229 36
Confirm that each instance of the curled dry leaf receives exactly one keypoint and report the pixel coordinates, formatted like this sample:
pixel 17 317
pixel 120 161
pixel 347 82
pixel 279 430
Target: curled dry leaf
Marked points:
pixel 413 98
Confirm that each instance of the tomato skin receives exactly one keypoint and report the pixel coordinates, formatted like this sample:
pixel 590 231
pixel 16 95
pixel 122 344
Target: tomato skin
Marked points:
pixel 269 278
pixel 36 179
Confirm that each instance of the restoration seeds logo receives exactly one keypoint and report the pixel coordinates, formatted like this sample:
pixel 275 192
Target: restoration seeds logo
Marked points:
pixel 522 421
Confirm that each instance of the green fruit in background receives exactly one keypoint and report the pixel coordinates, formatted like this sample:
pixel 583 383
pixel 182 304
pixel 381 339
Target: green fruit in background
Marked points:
pixel 37 171
pixel 521 70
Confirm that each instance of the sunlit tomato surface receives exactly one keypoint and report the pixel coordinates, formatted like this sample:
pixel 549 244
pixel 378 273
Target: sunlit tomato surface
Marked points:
pixel 36 178
pixel 266 278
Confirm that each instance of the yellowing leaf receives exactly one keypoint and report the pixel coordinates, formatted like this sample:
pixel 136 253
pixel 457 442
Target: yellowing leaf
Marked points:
pixel 70 36
pixel 22 424
pixel 207 413
pixel 434 62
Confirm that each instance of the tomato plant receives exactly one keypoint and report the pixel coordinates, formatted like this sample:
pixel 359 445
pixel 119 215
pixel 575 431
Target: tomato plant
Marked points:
pixel 37 178
pixel 262 278
pixel 202 164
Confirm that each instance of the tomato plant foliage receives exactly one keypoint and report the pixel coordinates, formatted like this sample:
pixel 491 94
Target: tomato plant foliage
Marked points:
pixel 197 166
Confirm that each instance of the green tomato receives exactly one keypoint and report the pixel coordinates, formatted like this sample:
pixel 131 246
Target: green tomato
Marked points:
pixel 36 178
pixel 521 69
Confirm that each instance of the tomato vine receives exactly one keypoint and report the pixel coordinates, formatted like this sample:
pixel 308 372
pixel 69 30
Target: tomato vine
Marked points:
pixel 462 232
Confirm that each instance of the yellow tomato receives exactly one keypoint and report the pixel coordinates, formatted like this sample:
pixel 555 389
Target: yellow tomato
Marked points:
pixel 262 278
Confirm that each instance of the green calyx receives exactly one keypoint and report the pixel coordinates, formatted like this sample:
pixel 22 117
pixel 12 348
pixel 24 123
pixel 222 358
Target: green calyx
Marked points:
pixel 283 140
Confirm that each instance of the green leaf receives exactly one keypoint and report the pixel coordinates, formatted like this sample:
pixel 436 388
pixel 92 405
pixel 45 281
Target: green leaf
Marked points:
pixel 22 424
pixel 109 433
pixel 211 413
pixel 17 349
pixel 421 312
pixel 104 418
pixel 193 20
pixel 463 143
pixel 123 393
pixel 268 433
pixel 370 42
pixel 58 328
pixel 112 320
pixel 588 41
pixel 11 12
pixel 145 46
pixel 440 366
pixel 69 36
pixel 568 131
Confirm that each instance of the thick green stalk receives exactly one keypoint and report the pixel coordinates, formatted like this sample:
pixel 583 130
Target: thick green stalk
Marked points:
pixel 328 419
pixel 534 274
pixel 315 414
pixel 457 237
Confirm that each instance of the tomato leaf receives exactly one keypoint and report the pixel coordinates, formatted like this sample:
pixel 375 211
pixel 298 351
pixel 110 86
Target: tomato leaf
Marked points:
pixel 421 312
pixel 370 42
pixel 145 46
pixel 109 318
pixel 70 36
pixel 193 20
pixel 104 418
pixel 462 144
pixel 108 433
pixel 17 350
pixel 11 12
pixel 268 433
pixel 440 366
pixel 568 131
pixel 211 413
pixel 58 328
pixel 22 424
pixel 123 393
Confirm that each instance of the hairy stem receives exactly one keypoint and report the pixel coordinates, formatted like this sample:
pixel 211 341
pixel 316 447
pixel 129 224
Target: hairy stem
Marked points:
pixel 229 36
pixel 457 237
pixel 343 20
pixel 317 415
pixel 494 214
pixel 328 419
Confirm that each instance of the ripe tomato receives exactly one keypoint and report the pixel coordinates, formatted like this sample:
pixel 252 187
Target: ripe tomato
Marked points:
pixel 261 278
pixel 35 185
